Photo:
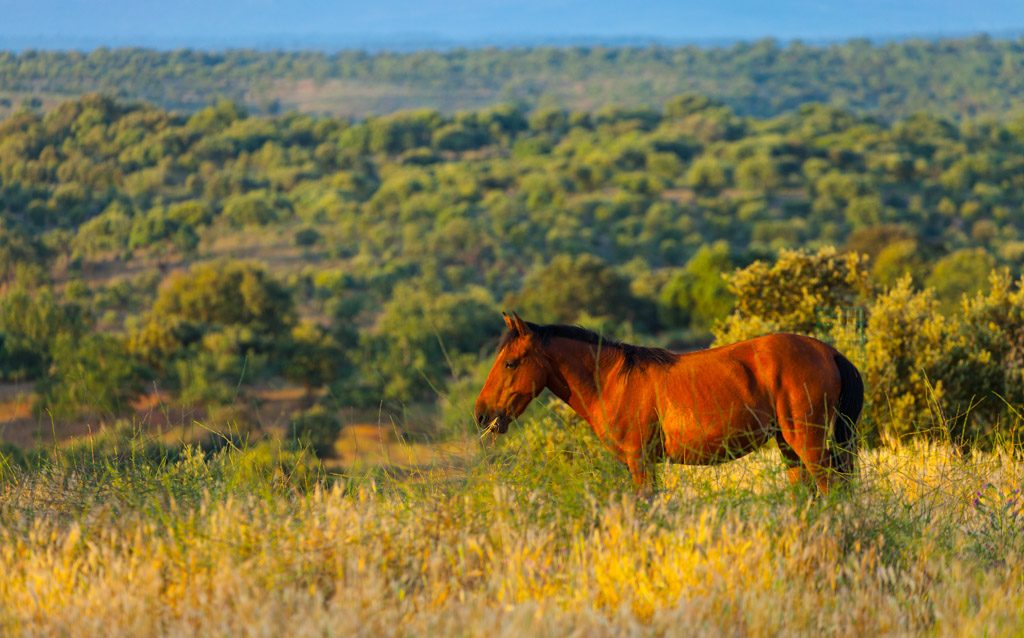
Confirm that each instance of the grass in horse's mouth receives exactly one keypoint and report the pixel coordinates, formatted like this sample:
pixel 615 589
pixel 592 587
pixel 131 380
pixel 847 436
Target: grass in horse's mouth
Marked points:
pixel 491 427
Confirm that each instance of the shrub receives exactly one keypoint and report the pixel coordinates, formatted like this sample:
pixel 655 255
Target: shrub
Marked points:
pixel 92 373
pixel 567 286
pixel 306 237
pixel 792 294
pixel 698 294
pixel 316 427
pixel 906 336
pixel 928 370
pixel 983 368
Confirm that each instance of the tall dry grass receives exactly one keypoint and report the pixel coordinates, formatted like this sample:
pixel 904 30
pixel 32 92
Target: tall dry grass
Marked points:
pixel 537 535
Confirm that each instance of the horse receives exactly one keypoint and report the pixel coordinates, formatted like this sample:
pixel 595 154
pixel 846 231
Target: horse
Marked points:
pixel 698 408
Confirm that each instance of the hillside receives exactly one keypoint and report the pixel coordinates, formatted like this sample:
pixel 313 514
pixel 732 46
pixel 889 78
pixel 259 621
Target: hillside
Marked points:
pixel 204 261
pixel 953 78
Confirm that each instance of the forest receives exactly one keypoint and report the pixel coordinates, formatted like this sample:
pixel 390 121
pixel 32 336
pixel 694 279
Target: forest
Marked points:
pixel 951 78
pixel 205 258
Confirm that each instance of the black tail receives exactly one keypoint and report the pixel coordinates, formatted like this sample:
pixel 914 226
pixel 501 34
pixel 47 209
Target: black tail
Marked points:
pixel 851 400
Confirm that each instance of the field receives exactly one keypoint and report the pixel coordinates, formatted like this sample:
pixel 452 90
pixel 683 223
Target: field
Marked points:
pixel 537 533
pixel 240 338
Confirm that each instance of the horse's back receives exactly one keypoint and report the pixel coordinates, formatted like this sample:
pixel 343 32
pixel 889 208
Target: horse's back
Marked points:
pixel 729 398
pixel 784 365
pixel 769 357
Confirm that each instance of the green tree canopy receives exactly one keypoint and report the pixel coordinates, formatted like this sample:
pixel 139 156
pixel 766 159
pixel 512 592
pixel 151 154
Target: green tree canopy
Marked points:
pixel 568 287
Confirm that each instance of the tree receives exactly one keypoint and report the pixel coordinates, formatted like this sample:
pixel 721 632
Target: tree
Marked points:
pixel 313 358
pixel 31 321
pixel 698 295
pixel 707 175
pixel 214 327
pixel 423 338
pixel 404 131
pixel 16 248
pixel 257 208
pixel 568 287
pixel 227 293
pixel 93 373
pixel 959 273
pixel 757 173
pixel 897 260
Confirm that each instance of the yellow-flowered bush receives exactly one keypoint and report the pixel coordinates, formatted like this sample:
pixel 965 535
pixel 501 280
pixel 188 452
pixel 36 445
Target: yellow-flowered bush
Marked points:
pixel 793 293
pixel 927 370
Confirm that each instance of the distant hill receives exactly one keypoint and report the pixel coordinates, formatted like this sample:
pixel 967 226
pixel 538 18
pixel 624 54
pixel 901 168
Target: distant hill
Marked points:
pixel 956 78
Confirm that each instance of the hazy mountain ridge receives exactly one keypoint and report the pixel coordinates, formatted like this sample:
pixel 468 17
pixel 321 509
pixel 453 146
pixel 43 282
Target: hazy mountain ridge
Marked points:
pixel 950 77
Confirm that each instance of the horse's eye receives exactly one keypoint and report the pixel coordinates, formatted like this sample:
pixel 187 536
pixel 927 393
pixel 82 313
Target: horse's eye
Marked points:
pixel 512 364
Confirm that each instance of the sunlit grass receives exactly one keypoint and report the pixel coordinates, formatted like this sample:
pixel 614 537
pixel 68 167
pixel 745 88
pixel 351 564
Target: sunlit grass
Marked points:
pixel 536 533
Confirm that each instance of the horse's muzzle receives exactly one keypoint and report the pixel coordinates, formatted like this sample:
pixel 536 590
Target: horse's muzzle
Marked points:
pixel 493 422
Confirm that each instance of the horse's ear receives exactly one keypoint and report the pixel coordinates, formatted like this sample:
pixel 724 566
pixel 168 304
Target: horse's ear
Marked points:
pixel 515 324
pixel 519 326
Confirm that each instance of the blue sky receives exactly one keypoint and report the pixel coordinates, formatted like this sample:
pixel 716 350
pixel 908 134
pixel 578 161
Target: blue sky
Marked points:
pixel 258 22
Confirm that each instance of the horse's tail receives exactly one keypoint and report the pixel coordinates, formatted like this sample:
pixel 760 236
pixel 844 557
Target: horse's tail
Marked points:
pixel 851 400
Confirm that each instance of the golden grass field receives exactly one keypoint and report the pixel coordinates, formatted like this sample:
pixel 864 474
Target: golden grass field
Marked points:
pixel 535 534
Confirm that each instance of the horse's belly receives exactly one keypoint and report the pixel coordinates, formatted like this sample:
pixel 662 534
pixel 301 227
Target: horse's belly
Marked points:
pixel 714 442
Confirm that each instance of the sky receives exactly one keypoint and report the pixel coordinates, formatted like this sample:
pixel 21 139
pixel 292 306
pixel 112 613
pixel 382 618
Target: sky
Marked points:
pixel 78 23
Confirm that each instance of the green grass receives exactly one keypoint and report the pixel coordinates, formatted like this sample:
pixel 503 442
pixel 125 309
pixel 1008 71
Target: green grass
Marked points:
pixel 538 531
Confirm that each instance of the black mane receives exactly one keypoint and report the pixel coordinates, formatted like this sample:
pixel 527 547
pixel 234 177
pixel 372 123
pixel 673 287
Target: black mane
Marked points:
pixel 635 357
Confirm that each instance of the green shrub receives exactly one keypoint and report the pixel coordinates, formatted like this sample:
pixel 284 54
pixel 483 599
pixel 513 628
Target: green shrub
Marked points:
pixel 554 465
pixel 94 373
pixel 792 293
pixel 929 369
pixel 905 338
pixel 316 427
pixel 306 237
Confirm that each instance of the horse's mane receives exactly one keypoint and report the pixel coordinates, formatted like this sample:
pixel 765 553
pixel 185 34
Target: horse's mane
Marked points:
pixel 634 357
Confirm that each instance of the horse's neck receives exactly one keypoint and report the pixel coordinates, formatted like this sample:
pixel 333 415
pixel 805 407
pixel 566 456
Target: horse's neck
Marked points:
pixel 583 378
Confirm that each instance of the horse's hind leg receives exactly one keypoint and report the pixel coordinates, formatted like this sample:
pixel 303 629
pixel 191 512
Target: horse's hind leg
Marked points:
pixel 795 470
pixel 804 433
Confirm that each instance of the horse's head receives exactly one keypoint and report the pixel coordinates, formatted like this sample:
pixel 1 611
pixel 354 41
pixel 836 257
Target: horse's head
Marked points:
pixel 519 374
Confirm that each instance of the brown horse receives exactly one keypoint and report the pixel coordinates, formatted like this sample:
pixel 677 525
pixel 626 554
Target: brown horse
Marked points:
pixel 705 407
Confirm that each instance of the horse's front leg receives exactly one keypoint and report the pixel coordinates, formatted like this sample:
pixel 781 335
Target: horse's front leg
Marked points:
pixel 640 447
pixel 641 471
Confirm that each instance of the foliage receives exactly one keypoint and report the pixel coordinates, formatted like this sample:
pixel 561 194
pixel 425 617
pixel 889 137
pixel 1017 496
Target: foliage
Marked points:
pixel 959 273
pixel 118 217
pixel 31 321
pixel 906 335
pixel 560 291
pixel 422 338
pixel 212 331
pixel 698 295
pixel 226 293
pixel 967 77
pixel 314 357
pixel 950 374
pixel 316 427
pixel 93 374
pixel 792 293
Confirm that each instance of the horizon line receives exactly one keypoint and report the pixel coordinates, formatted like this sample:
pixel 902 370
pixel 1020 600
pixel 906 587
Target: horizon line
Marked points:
pixel 411 42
